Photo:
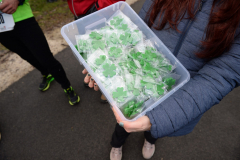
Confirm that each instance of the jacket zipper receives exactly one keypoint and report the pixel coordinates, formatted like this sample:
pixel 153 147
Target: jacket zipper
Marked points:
pixel 186 29
pixel 74 10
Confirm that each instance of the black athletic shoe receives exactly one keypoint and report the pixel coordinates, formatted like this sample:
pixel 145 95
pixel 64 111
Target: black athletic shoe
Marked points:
pixel 72 96
pixel 46 82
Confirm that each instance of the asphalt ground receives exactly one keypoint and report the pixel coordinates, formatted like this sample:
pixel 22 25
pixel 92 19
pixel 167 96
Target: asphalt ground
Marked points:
pixel 43 126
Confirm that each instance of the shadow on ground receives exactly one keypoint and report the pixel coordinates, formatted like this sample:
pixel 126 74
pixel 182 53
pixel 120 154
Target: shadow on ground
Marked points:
pixel 40 126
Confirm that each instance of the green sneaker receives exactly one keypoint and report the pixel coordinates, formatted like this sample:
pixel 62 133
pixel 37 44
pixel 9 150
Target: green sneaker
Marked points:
pixel 46 82
pixel 72 96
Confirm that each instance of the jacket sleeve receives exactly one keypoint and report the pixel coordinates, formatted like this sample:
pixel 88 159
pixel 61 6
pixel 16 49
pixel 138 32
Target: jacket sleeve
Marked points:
pixel 214 81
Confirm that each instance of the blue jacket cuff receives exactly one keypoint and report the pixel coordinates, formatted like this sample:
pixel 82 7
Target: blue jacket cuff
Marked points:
pixel 161 123
pixel 153 130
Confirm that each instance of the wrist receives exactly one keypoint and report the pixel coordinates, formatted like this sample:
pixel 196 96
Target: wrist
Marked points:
pixel 147 124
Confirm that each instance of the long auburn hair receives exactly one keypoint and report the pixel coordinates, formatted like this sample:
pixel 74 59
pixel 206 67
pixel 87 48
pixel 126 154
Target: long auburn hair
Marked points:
pixel 220 31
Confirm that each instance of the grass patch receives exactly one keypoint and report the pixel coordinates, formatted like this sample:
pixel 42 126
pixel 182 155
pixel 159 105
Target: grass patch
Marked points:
pixel 50 15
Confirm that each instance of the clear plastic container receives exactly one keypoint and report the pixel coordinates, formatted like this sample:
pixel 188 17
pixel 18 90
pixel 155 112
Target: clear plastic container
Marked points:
pixel 98 20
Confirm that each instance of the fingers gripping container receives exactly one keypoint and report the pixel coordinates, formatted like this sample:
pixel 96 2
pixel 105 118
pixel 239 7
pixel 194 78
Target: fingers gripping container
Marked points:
pixel 99 20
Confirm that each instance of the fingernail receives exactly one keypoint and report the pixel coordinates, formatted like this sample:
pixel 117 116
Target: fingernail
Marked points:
pixel 88 74
pixel 121 124
pixel 95 85
pixel 91 79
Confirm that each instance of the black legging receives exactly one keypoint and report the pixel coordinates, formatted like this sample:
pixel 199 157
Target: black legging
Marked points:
pixel 120 135
pixel 29 42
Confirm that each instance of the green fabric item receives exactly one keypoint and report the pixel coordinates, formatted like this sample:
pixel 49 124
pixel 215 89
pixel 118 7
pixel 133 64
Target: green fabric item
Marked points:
pixel 23 12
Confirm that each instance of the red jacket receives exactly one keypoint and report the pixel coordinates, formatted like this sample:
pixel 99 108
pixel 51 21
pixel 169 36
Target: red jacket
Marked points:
pixel 80 7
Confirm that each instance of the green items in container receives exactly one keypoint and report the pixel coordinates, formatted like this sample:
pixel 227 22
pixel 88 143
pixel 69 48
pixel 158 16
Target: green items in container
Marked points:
pixel 149 55
pixel 98 44
pixel 116 21
pixel 115 52
pixel 113 39
pixel 136 92
pixel 95 35
pixel 132 108
pixel 128 66
pixel 100 60
pixel 126 38
pixel 109 70
pixel 170 82
pixel 82 45
pixel 120 94
pixel 135 55
pixel 123 27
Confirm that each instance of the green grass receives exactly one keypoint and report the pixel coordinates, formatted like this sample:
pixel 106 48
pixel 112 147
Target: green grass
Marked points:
pixel 50 15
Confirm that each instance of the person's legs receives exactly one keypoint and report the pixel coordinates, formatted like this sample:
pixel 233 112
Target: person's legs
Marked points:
pixel 148 146
pixel 10 41
pixel 149 138
pixel 118 139
pixel 14 44
pixel 119 136
pixel 31 35
pixel 28 40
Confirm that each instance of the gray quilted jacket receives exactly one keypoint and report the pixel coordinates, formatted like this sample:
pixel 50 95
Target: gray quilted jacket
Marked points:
pixel 210 80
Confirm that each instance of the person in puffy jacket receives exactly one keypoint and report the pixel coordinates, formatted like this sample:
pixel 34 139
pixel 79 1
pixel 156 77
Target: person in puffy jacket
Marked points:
pixel 29 42
pixel 205 37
